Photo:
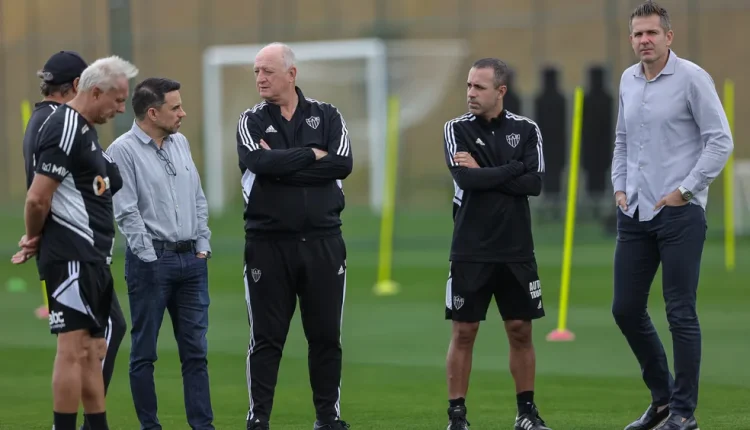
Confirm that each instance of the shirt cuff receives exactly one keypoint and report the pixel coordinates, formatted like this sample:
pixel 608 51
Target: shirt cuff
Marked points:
pixel 691 184
pixel 202 245
pixel 147 255
pixel 620 186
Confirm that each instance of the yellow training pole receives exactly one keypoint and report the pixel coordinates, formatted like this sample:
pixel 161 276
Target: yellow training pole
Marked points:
pixel 729 245
pixel 385 285
pixel 562 333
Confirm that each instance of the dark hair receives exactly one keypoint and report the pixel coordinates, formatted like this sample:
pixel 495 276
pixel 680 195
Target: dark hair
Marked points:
pixel 650 8
pixel 150 94
pixel 49 89
pixel 502 71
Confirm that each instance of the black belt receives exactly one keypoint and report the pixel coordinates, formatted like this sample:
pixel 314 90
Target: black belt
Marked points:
pixel 181 246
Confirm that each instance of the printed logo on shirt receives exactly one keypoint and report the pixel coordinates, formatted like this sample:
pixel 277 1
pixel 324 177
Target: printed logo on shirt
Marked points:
pixel 270 129
pixel 84 129
pixel 55 169
pixel 479 142
pixel 313 122
pixel 101 185
pixel 513 139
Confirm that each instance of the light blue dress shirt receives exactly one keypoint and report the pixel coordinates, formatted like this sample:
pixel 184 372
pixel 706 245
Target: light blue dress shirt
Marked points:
pixel 155 204
pixel 671 131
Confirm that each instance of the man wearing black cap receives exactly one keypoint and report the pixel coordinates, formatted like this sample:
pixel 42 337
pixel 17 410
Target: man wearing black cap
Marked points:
pixel 59 85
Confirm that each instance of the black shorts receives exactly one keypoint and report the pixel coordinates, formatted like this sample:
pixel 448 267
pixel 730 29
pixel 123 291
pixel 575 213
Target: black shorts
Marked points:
pixel 80 296
pixel 470 287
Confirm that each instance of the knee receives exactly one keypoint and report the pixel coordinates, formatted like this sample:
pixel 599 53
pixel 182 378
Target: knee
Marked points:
pixel 99 349
pixel 464 334
pixel 626 313
pixel 681 313
pixel 519 333
pixel 70 349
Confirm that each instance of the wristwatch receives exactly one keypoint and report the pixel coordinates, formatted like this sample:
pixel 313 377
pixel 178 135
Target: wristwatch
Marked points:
pixel 687 195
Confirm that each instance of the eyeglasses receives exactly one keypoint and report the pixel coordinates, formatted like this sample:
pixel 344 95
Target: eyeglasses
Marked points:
pixel 169 167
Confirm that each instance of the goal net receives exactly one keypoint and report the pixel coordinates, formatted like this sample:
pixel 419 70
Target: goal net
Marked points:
pixel 356 75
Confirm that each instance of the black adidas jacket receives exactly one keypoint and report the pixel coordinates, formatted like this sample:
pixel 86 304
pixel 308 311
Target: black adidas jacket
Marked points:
pixel 492 220
pixel 288 194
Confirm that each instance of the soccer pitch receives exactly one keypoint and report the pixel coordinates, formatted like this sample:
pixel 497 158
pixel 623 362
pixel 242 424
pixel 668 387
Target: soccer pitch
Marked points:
pixel 394 347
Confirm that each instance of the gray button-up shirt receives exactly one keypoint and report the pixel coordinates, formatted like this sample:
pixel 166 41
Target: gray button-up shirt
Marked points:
pixel 671 131
pixel 157 202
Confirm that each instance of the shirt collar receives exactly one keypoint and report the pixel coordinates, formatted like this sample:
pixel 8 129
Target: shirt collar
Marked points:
pixel 668 69
pixel 142 136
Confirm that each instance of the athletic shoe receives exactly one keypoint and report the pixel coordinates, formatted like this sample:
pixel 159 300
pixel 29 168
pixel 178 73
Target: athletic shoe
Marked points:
pixel 457 418
pixel 530 421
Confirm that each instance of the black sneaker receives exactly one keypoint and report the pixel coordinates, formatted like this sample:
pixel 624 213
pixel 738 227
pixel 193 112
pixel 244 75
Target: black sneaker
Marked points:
pixel 676 422
pixel 337 425
pixel 258 425
pixel 530 421
pixel 457 418
pixel 650 419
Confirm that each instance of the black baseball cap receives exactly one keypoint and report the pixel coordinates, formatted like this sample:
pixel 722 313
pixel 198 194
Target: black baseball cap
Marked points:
pixel 63 67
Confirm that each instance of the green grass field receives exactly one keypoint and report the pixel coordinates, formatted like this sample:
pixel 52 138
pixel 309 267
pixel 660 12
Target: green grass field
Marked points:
pixel 394 347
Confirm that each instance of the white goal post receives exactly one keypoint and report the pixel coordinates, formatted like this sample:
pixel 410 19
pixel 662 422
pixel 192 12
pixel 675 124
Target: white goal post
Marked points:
pixel 215 58
pixel 419 71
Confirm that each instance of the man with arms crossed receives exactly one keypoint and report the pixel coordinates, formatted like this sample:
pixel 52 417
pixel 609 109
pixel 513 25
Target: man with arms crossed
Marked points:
pixel 60 77
pixel 69 218
pixel 672 140
pixel 162 212
pixel 496 160
pixel 293 152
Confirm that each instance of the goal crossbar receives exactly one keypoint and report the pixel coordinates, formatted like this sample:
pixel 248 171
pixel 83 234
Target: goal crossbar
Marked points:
pixel 372 50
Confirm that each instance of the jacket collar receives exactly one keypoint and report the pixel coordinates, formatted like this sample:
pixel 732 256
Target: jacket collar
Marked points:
pixel 302 103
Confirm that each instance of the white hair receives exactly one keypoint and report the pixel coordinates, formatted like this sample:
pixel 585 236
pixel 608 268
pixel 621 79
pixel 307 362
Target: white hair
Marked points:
pixel 287 54
pixel 104 73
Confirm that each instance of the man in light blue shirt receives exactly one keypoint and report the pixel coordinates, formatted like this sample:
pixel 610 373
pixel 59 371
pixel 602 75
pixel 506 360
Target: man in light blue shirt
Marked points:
pixel 162 212
pixel 672 141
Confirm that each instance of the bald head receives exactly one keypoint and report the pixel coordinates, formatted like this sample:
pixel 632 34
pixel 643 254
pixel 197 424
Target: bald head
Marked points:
pixel 278 52
pixel 275 72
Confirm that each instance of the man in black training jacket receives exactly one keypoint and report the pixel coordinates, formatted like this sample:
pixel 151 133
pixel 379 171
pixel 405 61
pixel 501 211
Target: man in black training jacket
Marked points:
pixel 293 153
pixel 496 160
pixel 60 77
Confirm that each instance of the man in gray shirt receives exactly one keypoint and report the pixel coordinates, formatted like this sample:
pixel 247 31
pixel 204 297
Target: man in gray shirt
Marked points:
pixel 672 140
pixel 162 212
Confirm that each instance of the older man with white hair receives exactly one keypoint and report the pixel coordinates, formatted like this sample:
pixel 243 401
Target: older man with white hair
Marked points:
pixel 69 220
pixel 293 154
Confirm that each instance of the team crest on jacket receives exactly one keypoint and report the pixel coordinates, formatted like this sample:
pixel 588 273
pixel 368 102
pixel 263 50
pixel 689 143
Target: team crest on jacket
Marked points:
pixel 513 139
pixel 313 122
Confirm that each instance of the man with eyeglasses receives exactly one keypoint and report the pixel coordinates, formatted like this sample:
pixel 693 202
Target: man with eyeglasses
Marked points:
pixel 162 212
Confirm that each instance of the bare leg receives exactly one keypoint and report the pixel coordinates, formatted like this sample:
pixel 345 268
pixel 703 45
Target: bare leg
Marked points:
pixel 459 358
pixel 92 388
pixel 66 378
pixel 522 355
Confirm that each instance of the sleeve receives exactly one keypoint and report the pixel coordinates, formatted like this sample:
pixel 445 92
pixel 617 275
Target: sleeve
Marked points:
pixel 59 142
pixel 620 152
pixel 484 178
pixel 529 183
pixel 203 242
pixel 336 165
pixel 270 162
pixel 125 202
pixel 709 115
pixel 113 173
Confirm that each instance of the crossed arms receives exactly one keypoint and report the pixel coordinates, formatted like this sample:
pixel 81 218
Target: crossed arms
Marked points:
pixel 517 178
pixel 296 166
